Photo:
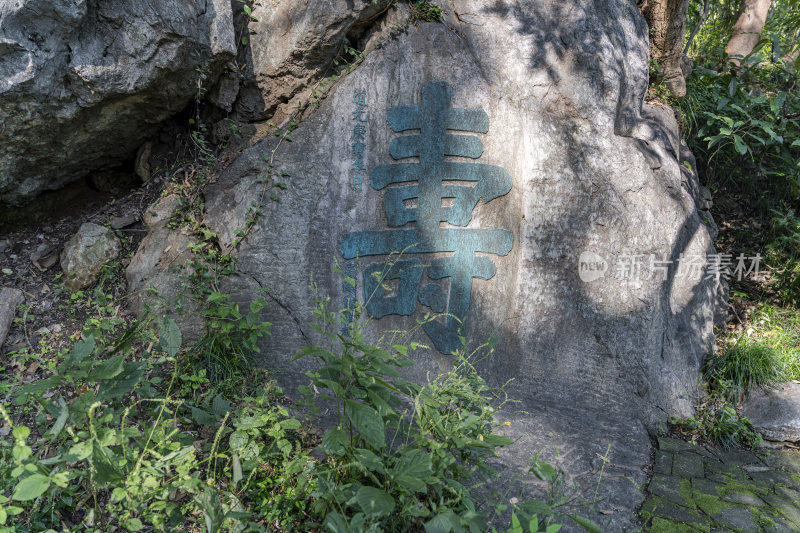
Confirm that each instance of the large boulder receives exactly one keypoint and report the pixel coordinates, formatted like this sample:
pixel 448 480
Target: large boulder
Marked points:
pixel 292 45
pixel 775 413
pixel 508 155
pixel 86 253
pixel 83 83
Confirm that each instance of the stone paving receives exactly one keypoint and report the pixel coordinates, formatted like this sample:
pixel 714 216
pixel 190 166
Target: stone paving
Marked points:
pixel 699 488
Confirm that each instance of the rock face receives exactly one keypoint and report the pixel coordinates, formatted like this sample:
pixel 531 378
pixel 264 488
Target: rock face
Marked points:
pixel 85 254
pixel 293 43
pixel 84 82
pixel 776 413
pixel 158 264
pixel 508 155
pixel 10 298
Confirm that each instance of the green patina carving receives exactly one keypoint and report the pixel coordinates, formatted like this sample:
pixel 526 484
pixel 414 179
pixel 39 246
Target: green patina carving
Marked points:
pixel 433 182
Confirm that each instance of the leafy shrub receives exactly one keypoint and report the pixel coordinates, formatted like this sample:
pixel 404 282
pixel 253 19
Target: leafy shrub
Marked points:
pixel 717 421
pixel 745 125
pixel 133 435
pixel 124 448
pixel 402 456
pixel 784 252
pixel 424 11
pixel 230 338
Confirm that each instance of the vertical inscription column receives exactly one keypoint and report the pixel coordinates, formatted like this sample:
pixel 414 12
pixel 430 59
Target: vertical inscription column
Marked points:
pixel 425 182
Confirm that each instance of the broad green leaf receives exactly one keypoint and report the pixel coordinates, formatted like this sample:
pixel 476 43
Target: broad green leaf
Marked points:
pixel 585 523
pixel 415 463
pixel 170 338
pixel 516 527
pixel 21 432
pixel 741 147
pixel 536 507
pixel 60 479
pixel 238 440
pixel 220 405
pixel 374 502
pixel 105 471
pixel 107 369
pixel 35 388
pixel 204 418
pixel 31 487
pixel 335 387
pixel 81 350
pixel 413 484
pixel 369 460
pixel 123 382
pixel 367 422
pixel 440 523
pixel 497 440
pixel 334 442
pixel 79 452
pixel 335 523
pixel 543 470
pixel 290 423
pixel 133 524
pixel 21 452
pixel 13 510
pixel 285 447
pixel 777 103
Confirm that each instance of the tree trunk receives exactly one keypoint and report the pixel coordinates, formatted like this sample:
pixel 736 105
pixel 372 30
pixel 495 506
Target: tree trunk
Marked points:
pixel 667 22
pixel 747 30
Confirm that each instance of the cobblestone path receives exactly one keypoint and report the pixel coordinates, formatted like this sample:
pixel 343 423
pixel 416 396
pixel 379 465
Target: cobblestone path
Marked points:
pixel 699 488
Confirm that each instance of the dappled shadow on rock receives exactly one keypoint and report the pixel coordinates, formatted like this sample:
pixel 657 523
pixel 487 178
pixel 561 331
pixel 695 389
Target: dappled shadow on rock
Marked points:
pixel 595 364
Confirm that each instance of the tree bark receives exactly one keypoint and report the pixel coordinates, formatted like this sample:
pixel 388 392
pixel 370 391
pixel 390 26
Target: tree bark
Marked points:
pixel 747 30
pixel 667 22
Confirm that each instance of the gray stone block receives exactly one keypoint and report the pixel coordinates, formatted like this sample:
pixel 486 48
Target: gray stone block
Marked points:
pixel 687 464
pixel 669 488
pixel 663 463
pixel 736 518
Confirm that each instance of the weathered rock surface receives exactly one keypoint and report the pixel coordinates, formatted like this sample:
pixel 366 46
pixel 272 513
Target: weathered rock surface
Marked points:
pixel 10 298
pixel 86 252
pixel 292 44
pixel 84 82
pixel 159 264
pixel 775 413
pixel 565 162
